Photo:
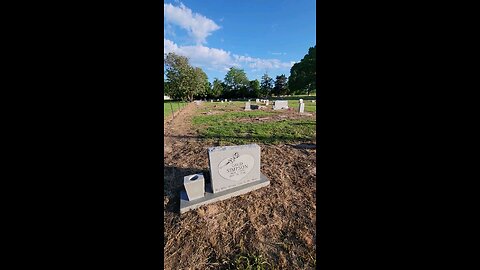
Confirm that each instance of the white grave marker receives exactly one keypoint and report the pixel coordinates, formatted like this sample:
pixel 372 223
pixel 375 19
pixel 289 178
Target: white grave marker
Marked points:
pixel 301 108
pixel 280 104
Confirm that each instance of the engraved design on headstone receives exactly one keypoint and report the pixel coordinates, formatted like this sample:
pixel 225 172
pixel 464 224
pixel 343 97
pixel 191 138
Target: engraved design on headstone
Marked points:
pixel 236 167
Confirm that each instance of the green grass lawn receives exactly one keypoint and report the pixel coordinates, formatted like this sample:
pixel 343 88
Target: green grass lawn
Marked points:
pixel 168 105
pixel 232 127
pixel 309 105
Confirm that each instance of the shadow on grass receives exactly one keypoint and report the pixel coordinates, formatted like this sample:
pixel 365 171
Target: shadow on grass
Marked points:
pixel 304 124
pixel 248 138
pixel 174 101
pixel 173 185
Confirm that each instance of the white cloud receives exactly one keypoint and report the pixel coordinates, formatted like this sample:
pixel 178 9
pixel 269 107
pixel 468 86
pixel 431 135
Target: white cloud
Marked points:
pixel 221 60
pixel 258 63
pixel 169 31
pixel 198 26
pixel 200 55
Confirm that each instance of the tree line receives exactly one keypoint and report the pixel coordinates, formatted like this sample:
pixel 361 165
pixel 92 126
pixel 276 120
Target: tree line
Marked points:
pixel 185 82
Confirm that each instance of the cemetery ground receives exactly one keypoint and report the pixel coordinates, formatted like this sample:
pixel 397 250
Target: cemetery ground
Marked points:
pixel 269 228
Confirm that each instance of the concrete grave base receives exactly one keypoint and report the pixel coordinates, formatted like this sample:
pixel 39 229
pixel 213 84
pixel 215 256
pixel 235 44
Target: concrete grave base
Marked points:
pixel 210 197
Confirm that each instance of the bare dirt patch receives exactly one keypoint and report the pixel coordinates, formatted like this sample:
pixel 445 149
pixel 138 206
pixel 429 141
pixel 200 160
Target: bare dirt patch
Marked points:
pixel 277 221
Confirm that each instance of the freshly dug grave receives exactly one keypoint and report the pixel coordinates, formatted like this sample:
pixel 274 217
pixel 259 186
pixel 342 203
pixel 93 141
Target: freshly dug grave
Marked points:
pixel 275 223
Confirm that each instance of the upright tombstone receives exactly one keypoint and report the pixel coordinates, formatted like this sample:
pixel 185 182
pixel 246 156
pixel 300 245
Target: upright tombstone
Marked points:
pixel 266 102
pixel 211 100
pixel 247 106
pixel 301 108
pixel 234 170
pixel 232 166
pixel 280 104
pixel 257 100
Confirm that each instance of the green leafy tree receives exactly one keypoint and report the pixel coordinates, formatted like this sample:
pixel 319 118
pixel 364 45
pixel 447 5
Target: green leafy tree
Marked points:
pixel 201 83
pixel 180 77
pixel 209 90
pixel 280 85
pixel 303 74
pixel 266 85
pixel 217 88
pixel 254 89
pixel 165 88
pixel 235 81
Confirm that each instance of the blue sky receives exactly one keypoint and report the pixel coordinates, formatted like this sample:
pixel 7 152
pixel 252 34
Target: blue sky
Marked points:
pixel 257 36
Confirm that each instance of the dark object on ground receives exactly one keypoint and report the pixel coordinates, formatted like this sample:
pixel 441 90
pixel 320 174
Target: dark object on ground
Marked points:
pixel 304 146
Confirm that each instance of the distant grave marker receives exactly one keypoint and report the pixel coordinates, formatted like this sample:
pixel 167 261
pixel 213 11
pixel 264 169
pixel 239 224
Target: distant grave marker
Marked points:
pixel 301 108
pixel 280 104
pixel 247 106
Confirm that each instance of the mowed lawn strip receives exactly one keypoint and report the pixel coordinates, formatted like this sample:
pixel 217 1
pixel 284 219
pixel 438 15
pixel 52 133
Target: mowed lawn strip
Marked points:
pixel 233 127
pixel 168 105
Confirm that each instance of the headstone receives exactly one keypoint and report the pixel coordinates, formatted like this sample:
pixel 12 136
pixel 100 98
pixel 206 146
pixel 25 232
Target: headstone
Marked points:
pixel 247 106
pixel 300 100
pixel 280 104
pixel 313 101
pixel 211 100
pixel 301 108
pixel 194 186
pixel 232 166
pixel 266 102
pixel 234 170
pixel 257 100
